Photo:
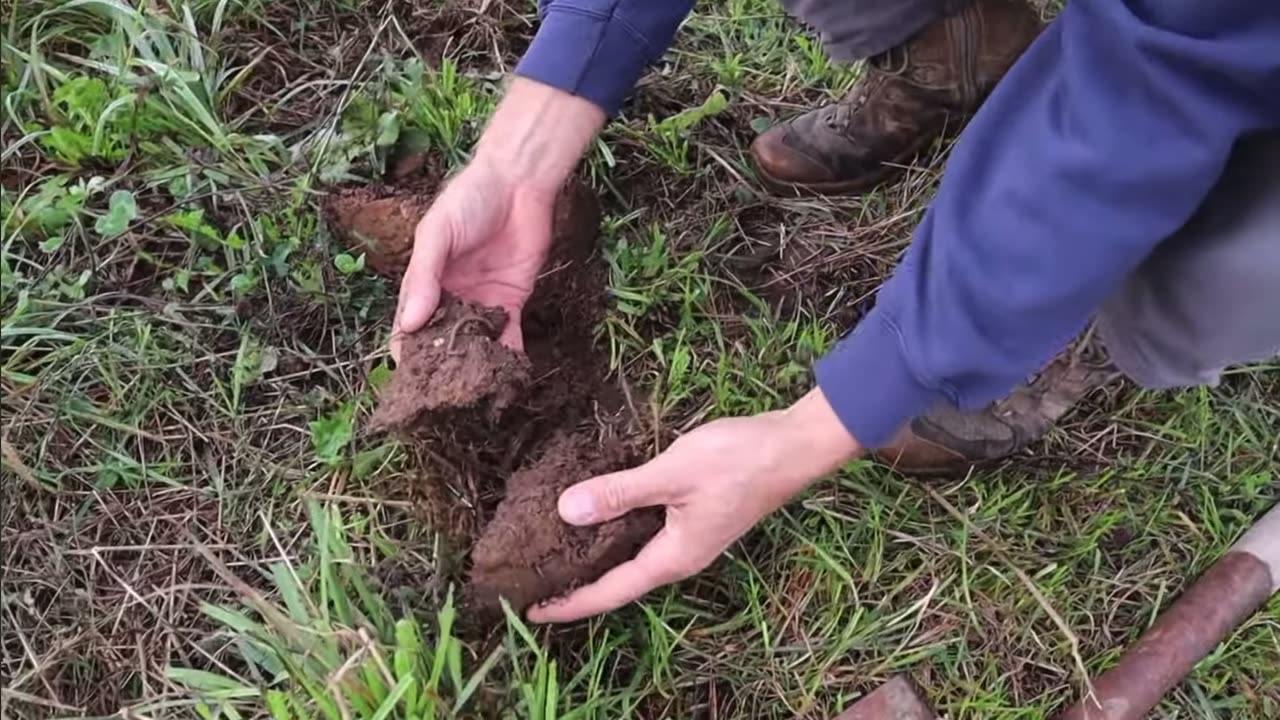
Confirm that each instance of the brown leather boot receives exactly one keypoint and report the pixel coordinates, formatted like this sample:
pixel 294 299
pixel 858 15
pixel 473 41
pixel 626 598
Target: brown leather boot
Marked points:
pixel 948 441
pixel 901 103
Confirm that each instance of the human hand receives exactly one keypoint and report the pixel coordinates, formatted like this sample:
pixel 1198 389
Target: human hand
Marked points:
pixel 716 483
pixel 484 239
pixel 487 235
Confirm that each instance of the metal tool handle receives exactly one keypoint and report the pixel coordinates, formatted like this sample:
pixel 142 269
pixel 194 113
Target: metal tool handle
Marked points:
pixel 1225 595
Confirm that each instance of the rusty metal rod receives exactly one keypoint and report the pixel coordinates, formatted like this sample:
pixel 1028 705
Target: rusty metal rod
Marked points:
pixel 1231 590
pixel 898 699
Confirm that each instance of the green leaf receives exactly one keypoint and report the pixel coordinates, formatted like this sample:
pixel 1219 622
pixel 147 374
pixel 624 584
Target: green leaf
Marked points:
pixel 223 687
pixel 686 119
pixel 331 434
pixel 348 265
pixel 193 225
pixel 122 209
pixel 388 129
pixel 51 244
pixel 243 282
pixel 407 659
pixel 380 376
pixel 402 687
pixel 289 589
pixel 233 619
pixel 474 683
pixel 552 690
pixel 366 461
pixel 515 623
pixel 278 704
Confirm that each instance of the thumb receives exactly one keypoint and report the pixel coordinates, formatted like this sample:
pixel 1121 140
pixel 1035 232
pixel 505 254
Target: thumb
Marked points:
pixel 609 496
pixel 512 336
pixel 420 286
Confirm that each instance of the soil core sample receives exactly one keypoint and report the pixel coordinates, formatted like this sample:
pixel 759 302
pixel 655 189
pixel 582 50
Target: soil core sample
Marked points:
pixel 483 409
pixel 454 362
pixel 528 554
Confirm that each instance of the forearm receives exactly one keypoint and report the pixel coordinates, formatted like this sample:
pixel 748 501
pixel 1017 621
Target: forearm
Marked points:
pixel 1100 143
pixel 539 133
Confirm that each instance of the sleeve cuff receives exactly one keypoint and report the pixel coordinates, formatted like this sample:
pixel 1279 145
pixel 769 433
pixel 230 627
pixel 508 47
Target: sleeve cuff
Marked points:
pixel 869 385
pixel 569 52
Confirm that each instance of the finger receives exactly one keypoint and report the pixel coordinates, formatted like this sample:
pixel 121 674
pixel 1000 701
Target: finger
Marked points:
pixel 661 562
pixel 511 335
pixel 609 496
pixel 420 286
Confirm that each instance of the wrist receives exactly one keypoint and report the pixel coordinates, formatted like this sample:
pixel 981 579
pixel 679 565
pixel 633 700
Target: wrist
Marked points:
pixel 812 432
pixel 538 134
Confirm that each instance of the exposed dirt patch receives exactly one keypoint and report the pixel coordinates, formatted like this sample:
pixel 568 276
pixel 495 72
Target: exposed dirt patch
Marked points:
pixel 382 229
pixel 379 220
pixel 482 410
pixel 528 554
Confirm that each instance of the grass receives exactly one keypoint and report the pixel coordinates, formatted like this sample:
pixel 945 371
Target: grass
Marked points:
pixel 193 524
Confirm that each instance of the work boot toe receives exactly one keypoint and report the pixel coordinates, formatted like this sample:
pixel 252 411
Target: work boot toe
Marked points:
pixel 783 161
pixel 948 441
pixel 905 98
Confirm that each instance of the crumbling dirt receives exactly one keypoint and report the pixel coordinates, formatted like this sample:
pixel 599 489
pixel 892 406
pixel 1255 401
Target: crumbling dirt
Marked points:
pixel 528 554
pixel 454 362
pixel 481 410
pixel 380 227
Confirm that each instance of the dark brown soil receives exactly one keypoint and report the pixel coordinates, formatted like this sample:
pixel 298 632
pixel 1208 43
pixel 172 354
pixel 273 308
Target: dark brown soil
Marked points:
pixel 454 362
pixel 528 554
pixel 482 410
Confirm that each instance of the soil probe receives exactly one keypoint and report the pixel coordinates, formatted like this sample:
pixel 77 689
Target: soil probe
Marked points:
pixel 1231 590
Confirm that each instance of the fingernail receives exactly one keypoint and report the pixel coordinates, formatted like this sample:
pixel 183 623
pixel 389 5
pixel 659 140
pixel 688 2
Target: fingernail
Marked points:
pixel 577 507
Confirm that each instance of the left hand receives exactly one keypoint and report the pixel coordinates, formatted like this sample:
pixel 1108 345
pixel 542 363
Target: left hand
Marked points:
pixel 716 483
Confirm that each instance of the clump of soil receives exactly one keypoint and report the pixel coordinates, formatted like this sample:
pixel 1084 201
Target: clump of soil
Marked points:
pixel 528 554
pixel 454 362
pixel 481 409
pixel 380 227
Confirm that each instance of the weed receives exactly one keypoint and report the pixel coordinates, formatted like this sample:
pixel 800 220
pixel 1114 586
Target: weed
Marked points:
pixel 332 648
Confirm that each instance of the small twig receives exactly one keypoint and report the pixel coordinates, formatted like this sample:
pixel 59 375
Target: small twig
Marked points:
pixel 98 549
pixel 33 700
pixel 19 468
pixel 353 499
pixel 1026 580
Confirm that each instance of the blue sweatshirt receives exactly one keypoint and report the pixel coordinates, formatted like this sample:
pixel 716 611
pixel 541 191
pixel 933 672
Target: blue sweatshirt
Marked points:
pixel 1099 144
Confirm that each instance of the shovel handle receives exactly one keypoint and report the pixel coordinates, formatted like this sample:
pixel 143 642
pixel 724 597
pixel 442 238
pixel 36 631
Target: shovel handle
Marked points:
pixel 1225 595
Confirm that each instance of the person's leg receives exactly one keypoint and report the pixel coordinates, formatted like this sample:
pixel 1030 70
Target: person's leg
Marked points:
pixel 859 29
pixel 929 61
pixel 1207 298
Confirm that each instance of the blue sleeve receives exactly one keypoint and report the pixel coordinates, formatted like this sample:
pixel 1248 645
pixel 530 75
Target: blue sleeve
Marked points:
pixel 1100 143
pixel 597 49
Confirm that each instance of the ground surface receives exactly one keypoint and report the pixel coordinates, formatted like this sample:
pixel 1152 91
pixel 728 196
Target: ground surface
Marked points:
pixel 195 519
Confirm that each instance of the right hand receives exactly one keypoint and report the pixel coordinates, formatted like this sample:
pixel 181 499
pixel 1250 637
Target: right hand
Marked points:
pixel 484 239
pixel 488 233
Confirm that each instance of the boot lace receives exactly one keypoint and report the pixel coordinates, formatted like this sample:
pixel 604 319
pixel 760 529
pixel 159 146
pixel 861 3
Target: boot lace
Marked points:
pixel 890 63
